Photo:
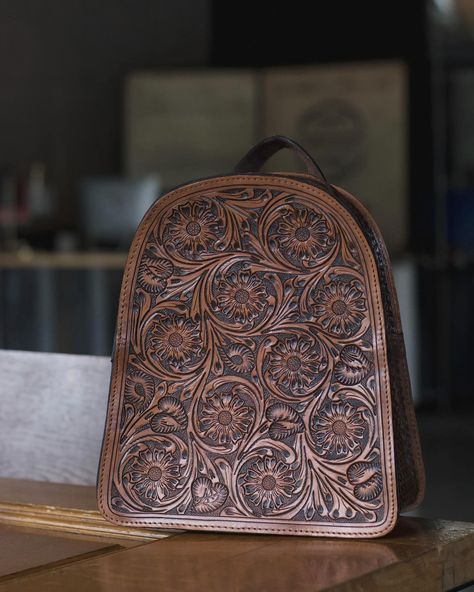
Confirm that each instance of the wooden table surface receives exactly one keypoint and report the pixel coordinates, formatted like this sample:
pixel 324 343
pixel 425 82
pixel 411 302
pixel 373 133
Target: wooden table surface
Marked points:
pixel 36 555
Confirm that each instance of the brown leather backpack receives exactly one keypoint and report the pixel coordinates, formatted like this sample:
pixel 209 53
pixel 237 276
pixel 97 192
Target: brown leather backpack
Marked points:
pixel 259 379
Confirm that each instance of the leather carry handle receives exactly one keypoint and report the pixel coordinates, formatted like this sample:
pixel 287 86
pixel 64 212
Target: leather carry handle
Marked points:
pixel 257 156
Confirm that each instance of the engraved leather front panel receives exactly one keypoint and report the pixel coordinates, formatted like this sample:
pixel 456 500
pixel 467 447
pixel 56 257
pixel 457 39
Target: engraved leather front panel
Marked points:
pixel 250 383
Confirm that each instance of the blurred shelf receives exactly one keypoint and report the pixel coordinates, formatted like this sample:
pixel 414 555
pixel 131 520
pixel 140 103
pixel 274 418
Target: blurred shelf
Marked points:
pixel 78 260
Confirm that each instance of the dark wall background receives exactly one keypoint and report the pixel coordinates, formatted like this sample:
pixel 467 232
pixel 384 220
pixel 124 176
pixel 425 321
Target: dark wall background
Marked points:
pixel 62 66
pixel 342 31
pixel 63 63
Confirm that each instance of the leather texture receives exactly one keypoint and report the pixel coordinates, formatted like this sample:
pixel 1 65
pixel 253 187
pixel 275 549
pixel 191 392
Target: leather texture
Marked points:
pixel 259 373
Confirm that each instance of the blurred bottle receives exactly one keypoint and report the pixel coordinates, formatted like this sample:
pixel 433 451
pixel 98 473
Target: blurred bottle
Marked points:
pixel 38 195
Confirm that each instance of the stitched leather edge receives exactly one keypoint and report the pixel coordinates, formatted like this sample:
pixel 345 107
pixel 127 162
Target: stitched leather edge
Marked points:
pixel 111 435
pixel 407 444
pixel 408 454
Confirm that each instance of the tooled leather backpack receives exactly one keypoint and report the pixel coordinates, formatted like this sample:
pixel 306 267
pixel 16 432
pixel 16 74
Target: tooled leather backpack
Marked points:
pixel 259 379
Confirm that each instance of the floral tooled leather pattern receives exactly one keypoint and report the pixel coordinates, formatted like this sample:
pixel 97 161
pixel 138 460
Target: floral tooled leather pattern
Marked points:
pixel 250 386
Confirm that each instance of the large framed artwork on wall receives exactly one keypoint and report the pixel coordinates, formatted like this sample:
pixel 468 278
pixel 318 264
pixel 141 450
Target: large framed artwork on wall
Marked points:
pixel 353 119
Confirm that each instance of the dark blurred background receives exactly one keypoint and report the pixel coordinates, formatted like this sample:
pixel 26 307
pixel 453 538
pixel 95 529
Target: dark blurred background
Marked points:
pixel 105 105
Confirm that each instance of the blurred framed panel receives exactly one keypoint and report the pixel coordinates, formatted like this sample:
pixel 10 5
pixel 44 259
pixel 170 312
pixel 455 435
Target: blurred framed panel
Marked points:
pixel 184 125
pixel 353 119
pixel 460 202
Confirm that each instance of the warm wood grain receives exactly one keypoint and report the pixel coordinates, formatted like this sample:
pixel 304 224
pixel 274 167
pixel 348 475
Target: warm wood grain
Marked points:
pixel 52 410
pixel 419 556
pixel 24 550
pixel 62 508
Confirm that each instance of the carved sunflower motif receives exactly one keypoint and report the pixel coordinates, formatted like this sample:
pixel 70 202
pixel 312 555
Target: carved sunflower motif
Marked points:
pixel 304 234
pixel 295 363
pixel 241 296
pixel 154 271
pixel 194 227
pixel 154 474
pixel 225 418
pixel 175 340
pixel 139 388
pixel 338 429
pixel 269 483
pixel 339 307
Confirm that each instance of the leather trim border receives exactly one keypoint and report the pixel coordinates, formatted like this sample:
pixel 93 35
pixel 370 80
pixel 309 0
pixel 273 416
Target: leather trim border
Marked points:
pixel 111 435
pixel 411 480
